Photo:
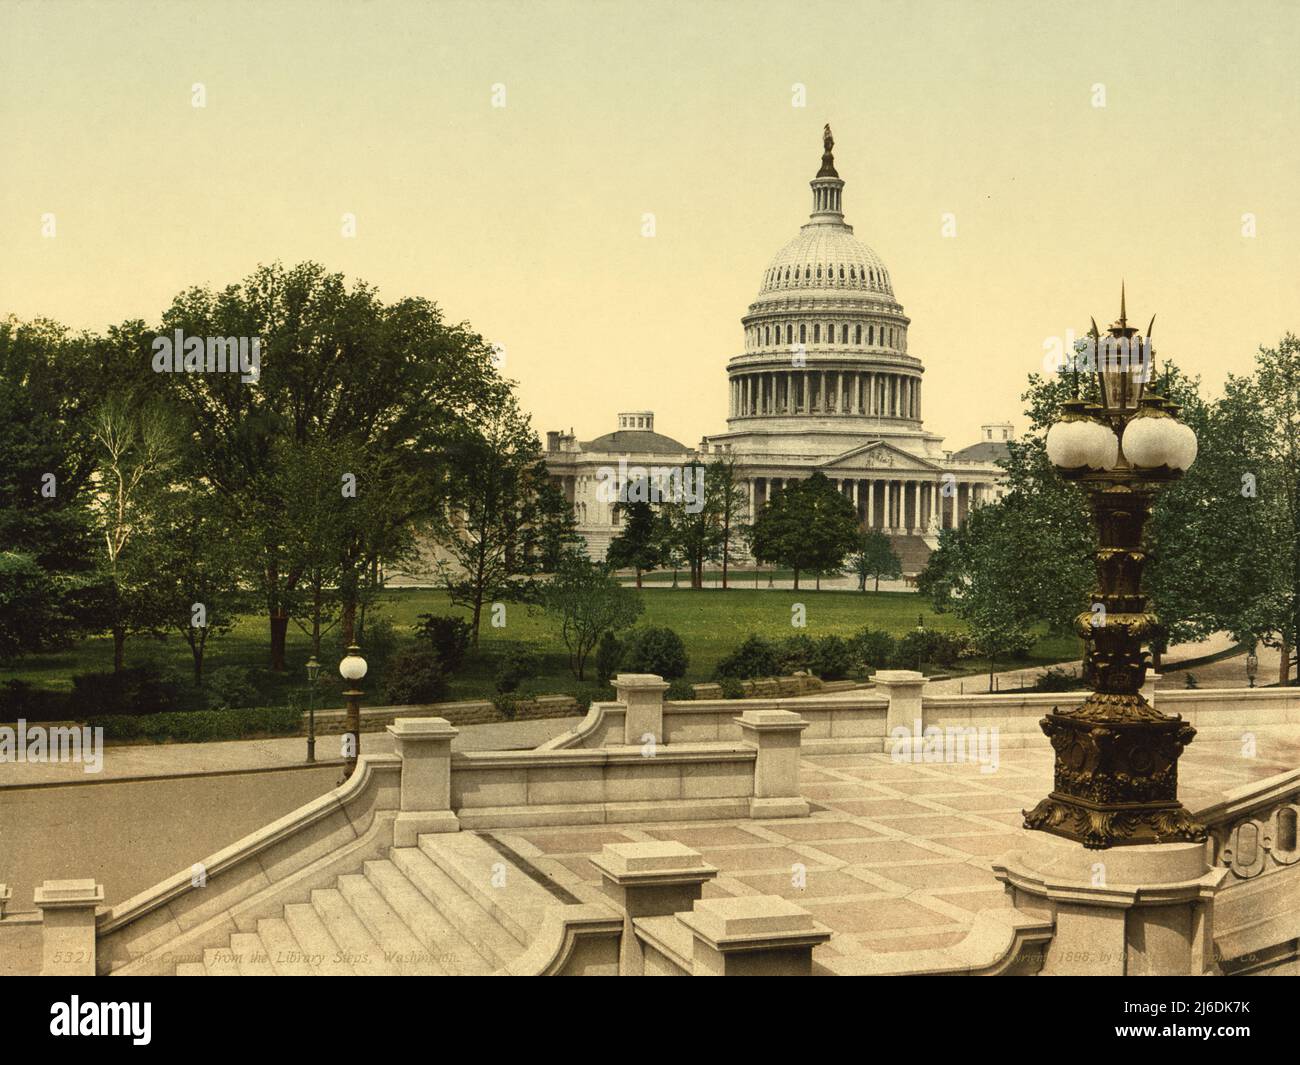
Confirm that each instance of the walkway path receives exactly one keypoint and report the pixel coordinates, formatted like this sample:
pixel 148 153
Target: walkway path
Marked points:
pixel 169 759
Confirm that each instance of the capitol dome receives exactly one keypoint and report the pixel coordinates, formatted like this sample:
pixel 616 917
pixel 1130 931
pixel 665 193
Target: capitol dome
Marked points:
pixel 826 256
pixel 825 338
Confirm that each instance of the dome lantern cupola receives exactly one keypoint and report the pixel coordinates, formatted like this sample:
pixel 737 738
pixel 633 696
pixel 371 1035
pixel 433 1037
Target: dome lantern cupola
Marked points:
pixel 827 186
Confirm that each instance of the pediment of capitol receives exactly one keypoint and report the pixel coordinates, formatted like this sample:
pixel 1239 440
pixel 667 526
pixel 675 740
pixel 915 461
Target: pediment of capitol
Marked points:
pixel 880 456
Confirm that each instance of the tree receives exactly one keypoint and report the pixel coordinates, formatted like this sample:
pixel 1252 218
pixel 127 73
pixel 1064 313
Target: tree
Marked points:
pixel 506 522
pixel 637 546
pixel 188 567
pixel 807 525
pixel 588 601
pixel 980 576
pixel 730 503
pixel 136 450
pixel 395 382
pixel 692 521
pixel 50 384
pixel 1271 553
pixel 31 607
pixel 874 556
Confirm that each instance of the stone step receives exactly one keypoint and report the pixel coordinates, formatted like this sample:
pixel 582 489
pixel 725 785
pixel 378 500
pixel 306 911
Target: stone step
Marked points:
pixel 426 925
pixel 385 925
pixel 493 943
pixel 425 915
pixel 191 968
pixel 362 952
pixel 220 961
pixel 510 896
pixel 282 949
pixel 253 957
pixel 315 940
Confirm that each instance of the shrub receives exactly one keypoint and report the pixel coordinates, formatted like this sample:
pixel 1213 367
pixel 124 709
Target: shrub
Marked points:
pixel 414 677
pixel 608 655
pixel 795 654
pixel 832 658
pixel 379 640
pixel 198 726
pixel 448 637
pixel 507 704
pixel 19 699
pixel 230 688
pixel 756 657
pixel 518 664
pixel 872 649
pixel 732 688
pixel 1055 679
pixel 655 649
pixel 137 690
pixel 680 691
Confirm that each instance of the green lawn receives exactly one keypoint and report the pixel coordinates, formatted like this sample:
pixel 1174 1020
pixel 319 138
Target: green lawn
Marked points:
pixel 710 622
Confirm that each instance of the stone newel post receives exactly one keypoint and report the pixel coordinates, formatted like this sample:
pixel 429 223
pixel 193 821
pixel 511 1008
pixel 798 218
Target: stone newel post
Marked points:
pixel 68 934
pixel 424 744
pixel 902 687
pixel 650 880
pixel 776 772
pixel 643 695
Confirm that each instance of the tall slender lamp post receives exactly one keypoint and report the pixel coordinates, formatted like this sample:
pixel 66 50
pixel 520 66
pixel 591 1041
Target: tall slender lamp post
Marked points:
pixel 313 672
pixel 352 668
pixel 1116 756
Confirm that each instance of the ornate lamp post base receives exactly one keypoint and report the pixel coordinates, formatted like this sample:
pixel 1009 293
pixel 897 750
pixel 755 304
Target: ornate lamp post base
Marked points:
pixel 1116 780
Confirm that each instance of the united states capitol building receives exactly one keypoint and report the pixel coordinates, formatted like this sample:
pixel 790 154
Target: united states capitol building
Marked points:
pixel 825 382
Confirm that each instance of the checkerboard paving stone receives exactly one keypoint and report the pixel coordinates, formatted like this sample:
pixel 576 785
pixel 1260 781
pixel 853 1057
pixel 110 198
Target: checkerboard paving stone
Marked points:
pixel 898 856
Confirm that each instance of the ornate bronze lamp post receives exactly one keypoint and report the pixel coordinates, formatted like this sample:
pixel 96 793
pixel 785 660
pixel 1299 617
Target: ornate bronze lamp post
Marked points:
pixel 1116 773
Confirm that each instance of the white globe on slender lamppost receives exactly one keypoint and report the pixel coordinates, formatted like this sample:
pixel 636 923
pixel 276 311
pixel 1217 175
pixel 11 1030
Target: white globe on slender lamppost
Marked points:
pixel 352 668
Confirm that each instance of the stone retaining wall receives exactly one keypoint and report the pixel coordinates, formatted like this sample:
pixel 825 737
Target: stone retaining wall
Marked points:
pixel 468 712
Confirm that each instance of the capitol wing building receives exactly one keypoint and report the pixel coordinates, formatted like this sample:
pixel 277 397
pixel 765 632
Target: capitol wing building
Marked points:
pixel 825 383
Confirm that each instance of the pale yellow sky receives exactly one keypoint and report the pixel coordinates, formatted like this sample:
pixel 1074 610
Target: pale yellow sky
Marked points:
pixel 526 220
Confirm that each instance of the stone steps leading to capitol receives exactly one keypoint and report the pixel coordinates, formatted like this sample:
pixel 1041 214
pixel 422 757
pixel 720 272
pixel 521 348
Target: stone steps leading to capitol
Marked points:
pixel 453 905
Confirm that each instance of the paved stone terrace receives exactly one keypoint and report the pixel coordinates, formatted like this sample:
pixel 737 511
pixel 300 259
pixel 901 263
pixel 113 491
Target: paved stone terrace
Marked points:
pixel 897 856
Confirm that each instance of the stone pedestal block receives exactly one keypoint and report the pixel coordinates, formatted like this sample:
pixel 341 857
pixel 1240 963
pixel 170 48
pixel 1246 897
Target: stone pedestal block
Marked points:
pixel 902 687
pixel 650 880
pixel 424 745
pixel 1145 910
pixel 752 935
pixel 68 919
pixel 643 695
pixel 776 734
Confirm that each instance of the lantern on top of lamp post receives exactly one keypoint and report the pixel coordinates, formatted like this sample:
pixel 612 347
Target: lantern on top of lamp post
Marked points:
pixel 1116 756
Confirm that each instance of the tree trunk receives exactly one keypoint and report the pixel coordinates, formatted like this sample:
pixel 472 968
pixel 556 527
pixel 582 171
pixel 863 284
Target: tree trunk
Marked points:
pixel 348 622
pixel 478 614
pixel 726 550
pixel 796 580
pixel 877 582
pixel 1284 666
pixel 119 648
pixel 638 580
pixel 279 629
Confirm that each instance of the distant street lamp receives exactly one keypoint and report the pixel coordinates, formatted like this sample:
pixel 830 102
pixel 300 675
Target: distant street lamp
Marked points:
pixel 352 668
pixel 1116 779
pixel 1252 667
pixel 313 672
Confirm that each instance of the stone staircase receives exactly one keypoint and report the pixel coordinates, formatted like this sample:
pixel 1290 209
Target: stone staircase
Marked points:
pixel 912 550
pixel 451 906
